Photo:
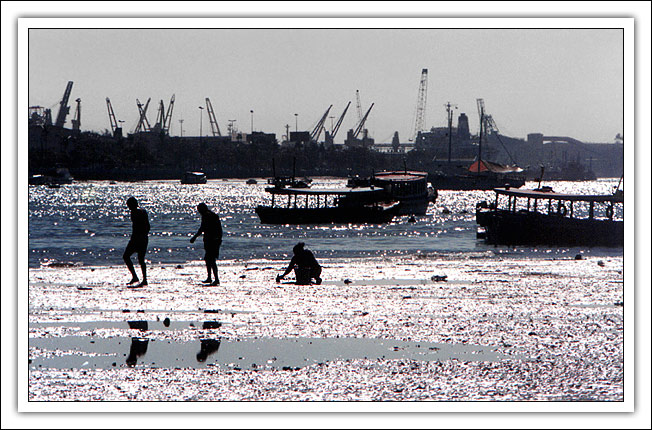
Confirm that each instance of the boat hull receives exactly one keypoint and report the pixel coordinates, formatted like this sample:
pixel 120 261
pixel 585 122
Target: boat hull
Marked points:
pixel 358 215
pixel 529 228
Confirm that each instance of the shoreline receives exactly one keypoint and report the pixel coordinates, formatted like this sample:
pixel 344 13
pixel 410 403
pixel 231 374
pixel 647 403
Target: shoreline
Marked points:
pixel 536 310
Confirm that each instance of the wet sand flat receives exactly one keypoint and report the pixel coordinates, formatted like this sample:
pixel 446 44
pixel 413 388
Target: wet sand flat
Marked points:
pixel 481 327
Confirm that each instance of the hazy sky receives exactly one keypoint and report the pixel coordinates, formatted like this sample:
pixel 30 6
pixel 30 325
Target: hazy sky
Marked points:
pixel 556 81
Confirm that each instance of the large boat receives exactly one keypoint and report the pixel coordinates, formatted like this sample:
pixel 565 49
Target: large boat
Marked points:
pixel 409 188
pixel 542 216
pixel 322 206
pixel 194 178
pixel 480 175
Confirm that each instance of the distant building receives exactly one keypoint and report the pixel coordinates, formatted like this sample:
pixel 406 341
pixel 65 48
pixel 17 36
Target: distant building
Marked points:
pixel 353 142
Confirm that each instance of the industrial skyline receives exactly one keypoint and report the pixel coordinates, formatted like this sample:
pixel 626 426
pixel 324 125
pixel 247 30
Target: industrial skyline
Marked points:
pixel 554 81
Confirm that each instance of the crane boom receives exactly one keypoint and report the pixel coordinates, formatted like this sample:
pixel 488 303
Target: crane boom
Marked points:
pixel 168 116
pixel 320 125
pixel 357 99
pixel 215 128
pixel 362 121
pixel 143 123
pixel 64 109
pixel 339 121
pixel 76 121
pixel 112 120
pixel 421 104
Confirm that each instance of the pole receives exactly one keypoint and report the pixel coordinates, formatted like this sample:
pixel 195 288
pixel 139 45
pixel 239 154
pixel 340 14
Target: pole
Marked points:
pixel 252 121
pixel 296 122
pixel 450 130
pixel 201 117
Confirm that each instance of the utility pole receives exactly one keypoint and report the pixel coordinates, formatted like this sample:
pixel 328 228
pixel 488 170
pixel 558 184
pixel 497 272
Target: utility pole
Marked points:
pixel 181 126
pixel 252 121
pixel 296 122
pixel 201 117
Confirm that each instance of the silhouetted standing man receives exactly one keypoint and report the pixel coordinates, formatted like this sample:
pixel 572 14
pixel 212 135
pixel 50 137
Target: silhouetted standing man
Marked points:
pixel 211 227
pixel 138 241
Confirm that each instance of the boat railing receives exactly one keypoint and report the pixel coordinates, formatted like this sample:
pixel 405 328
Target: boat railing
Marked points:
pixel 547 202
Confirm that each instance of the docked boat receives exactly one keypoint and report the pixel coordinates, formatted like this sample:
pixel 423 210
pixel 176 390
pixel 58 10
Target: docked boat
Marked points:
pixel 542 216
pixel 194 178
pixel 480 175
pixel 322 206
pixel 56 177
pixel 409 188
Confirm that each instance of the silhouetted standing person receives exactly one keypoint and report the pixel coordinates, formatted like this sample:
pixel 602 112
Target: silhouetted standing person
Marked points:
pixel 211 228
pixel 305 265
pixel 138 241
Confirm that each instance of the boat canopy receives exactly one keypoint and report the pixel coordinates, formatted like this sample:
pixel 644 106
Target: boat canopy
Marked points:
pixel 489 166
pixel 400 176
pixel 551 195
pixel 327 191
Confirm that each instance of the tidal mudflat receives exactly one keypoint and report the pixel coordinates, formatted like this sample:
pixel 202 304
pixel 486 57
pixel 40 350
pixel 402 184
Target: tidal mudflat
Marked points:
pixel 490 325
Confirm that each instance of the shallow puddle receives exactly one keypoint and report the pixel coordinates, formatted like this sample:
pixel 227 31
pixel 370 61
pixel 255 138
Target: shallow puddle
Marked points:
pixel 142 349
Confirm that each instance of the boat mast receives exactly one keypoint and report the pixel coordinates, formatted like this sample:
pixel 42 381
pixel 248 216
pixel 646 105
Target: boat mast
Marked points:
pixel 480 140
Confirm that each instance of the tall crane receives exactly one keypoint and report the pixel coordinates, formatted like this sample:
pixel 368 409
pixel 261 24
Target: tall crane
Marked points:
pixel 76 121
pixel 115 130
pixel 488 125
pixel 362 121
pixel 64 109
pixel 357 98
pixel 314 136
pixel 421 104
pixel 215 128
pixel 168 117
pixel 143 123
pixel 339 121
pixel 160 118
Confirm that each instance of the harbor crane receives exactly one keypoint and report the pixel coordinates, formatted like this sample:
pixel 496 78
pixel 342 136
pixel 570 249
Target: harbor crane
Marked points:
pixel 167 123
pixel 115 129
pixel 314 136
pixel 421 104
pixel 76 121
pixel 339 121
pixel 143 123
pixel 64 109
pixel 488 125
pixel 362 121
pixel 359 105
pixel 215 128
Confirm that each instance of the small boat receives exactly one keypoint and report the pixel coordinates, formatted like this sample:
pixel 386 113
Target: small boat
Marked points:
pixel 58 176
pixel 311 206
pixel 251 181
pixel 194 178
pixel 542 216
pixel 410 188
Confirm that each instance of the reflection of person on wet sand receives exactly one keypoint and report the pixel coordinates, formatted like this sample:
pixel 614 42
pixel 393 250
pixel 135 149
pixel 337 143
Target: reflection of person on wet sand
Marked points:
pixel 138 349
pixel 305 265
pixel 211 228
pixel 208 347
pixel 138 241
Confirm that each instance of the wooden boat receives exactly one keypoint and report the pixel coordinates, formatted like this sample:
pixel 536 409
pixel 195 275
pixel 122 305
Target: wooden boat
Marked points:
pixel 541 216
pixel 321 206
pixel 409 188
pixel 193 178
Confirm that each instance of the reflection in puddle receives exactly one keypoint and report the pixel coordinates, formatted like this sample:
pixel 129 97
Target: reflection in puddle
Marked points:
pixel 209 349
